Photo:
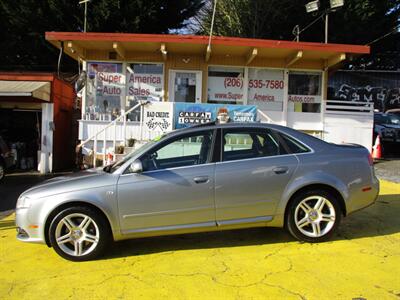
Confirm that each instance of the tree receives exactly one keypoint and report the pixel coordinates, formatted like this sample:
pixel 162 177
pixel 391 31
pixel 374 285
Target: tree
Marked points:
pixel 358 22
pixel 248 18
pixel 24 22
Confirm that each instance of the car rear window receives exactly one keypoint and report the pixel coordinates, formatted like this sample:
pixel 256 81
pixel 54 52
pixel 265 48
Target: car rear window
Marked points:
pixel 250 143
pixel 293 145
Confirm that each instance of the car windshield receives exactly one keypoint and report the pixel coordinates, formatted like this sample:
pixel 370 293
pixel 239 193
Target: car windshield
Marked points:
pixel 389 119
pixel 115 166
pixel 392 120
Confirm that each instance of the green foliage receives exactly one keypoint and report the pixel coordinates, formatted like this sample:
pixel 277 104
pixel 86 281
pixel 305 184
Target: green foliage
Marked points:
pixel 24 22
pixel 358 22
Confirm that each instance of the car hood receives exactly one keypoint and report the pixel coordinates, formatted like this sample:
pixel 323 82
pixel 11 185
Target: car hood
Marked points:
pixel 391 126
pixel 87 179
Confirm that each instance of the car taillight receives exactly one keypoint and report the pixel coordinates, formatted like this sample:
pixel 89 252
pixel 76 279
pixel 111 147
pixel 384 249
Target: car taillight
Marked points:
pixel 370 160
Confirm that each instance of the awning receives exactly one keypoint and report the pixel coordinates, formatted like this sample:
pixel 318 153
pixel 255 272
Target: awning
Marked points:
pixel 36 89
pixel 222 51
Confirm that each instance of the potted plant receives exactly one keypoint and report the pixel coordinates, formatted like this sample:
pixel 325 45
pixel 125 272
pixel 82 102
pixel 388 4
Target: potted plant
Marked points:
pixel 120 149
pixel 131 142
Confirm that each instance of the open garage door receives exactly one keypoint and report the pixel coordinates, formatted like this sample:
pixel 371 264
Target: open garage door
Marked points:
pixel 21 131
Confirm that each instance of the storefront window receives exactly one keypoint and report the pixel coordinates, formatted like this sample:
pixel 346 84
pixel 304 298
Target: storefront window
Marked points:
pixel 105 90
pixel 143 82
pixel 304 92
pixel 225 85
pixel 266 89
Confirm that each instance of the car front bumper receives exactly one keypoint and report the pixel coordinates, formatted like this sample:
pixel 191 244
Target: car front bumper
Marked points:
pixel 28 231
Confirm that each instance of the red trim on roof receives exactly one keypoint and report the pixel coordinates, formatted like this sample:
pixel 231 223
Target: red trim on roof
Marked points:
pixel 203 40
pixel 24 76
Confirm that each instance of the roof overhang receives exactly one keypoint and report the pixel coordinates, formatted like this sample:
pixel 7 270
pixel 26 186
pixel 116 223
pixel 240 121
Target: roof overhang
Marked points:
pixel 36 89
pixel 83 46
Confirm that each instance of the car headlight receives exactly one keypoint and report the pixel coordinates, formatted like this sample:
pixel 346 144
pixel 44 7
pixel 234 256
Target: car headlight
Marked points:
pixel 388 132
pixel 23 202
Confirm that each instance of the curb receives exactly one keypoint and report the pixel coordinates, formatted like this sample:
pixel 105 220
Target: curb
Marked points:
pixel 4 214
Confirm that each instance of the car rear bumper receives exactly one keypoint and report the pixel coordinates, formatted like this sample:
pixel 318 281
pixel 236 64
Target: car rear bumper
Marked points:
pixel 363 197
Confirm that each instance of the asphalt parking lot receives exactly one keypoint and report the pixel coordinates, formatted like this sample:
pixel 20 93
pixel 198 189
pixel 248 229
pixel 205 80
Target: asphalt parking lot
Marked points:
pixel 362 262
pixel 388 169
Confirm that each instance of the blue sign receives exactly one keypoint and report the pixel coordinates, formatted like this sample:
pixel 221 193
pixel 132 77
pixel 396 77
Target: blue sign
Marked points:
pixel 188 114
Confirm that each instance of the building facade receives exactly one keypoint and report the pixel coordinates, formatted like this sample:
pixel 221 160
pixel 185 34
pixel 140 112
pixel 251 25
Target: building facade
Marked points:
pixel 286 81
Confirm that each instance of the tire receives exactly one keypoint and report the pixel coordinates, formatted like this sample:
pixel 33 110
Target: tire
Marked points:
pixel 2 171
pixel 79 233
pixel 313 216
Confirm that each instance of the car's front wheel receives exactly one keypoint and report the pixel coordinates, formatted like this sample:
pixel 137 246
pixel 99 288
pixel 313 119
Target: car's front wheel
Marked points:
pixel 79 233
pixel 313 216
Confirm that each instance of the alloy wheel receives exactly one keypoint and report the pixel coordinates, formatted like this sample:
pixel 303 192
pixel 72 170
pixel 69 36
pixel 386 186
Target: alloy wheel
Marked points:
pixel 77 234
pixel 314 216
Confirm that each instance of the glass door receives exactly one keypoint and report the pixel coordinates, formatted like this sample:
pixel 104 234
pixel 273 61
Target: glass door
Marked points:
pixel 185 86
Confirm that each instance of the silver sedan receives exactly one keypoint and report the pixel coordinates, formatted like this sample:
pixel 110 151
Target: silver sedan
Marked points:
pixel 204 178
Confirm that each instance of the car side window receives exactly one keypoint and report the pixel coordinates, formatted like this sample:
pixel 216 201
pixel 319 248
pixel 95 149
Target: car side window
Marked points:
pixel 293 145
pixel 251 143
pixel 188 150
pixel 237 141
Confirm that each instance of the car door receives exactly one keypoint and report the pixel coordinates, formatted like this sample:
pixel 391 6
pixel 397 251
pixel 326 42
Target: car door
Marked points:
pixel 254 170
pixel 175 189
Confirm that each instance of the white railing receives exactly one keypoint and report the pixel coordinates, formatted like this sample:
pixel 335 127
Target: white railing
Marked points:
pixel 262 114
pixel 349 107
pixel 349 122
pixel 113 124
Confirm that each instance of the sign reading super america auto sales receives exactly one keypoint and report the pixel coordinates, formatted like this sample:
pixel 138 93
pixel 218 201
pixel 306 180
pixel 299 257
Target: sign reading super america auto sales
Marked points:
pixel 110 84
pixel 149 86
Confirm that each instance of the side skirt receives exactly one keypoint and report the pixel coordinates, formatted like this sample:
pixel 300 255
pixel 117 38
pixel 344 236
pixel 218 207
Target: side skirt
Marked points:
pixel 196 227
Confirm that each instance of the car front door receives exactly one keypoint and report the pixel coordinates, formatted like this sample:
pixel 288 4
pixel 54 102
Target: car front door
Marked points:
pixel 249 181
pixel 174 191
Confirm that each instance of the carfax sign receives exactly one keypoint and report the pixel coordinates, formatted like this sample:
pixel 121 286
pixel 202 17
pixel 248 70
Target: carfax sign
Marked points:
pixel 188 114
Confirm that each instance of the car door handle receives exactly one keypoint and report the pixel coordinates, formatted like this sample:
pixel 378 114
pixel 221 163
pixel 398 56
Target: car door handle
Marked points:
pixel 281 170
pixel 201 179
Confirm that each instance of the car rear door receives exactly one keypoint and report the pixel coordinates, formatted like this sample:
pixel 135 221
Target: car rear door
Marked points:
pixel 175 190
pixel 250 179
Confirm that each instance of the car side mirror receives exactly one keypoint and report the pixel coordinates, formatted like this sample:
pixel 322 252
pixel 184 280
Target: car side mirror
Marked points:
pixel 136 166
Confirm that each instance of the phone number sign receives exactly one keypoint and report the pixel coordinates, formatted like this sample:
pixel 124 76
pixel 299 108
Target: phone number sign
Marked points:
pixel 265 88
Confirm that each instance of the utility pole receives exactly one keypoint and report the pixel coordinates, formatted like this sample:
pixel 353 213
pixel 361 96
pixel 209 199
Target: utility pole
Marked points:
pixel 326 25
pixel 313 7
pixel 85 16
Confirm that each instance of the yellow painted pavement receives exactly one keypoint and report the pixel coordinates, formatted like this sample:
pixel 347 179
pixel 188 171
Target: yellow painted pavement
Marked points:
pixel 363 261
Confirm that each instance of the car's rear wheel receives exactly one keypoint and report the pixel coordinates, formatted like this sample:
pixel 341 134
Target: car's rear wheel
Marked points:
pixel 79 233
pixel 313 216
